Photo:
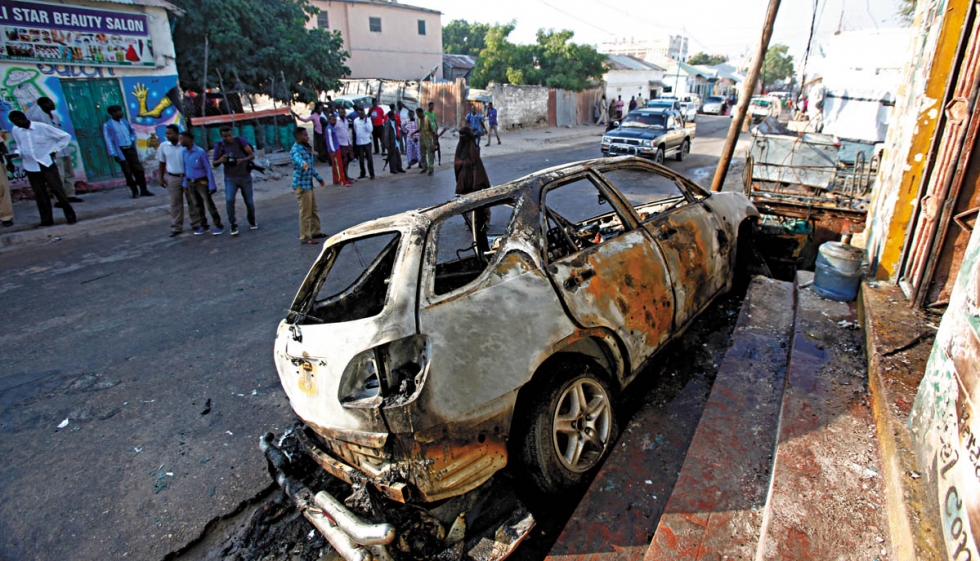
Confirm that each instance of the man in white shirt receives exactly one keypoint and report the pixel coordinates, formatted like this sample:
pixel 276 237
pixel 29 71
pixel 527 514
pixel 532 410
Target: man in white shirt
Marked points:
pixel 44 111
pixel 36 143
pixel 172 177
pixel 363 132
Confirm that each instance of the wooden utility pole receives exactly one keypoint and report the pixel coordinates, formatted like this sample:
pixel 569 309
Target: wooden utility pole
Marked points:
pixel 743 103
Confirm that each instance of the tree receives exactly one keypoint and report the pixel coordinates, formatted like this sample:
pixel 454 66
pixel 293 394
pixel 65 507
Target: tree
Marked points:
pixel 706 59
pixel 553 61
pixel 906 11
pixel 460 37
pixel 777 65
pixel 253 44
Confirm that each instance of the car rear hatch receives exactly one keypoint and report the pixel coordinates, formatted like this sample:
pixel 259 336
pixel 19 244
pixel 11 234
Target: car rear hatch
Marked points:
pixel 358 297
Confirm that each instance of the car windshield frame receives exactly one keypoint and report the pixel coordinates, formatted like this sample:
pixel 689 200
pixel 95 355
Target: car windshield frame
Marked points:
pixel 637 123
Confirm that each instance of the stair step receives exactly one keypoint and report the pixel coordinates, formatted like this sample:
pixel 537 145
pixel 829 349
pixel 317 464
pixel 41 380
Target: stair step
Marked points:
pixel 716 507
pixel 825 500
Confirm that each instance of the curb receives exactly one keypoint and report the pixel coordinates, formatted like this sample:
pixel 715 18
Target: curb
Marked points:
pixel 893 383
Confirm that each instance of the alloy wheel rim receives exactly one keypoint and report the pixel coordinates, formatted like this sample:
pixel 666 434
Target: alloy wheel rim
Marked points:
pixel 581 425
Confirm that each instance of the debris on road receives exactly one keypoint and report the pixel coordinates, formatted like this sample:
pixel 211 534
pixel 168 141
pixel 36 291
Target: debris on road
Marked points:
pixel 63 424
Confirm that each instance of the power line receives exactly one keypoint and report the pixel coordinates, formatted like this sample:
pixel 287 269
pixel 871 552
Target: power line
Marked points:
pixel 586 22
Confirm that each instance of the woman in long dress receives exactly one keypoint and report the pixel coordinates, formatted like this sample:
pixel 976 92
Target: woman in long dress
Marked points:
pixel 411 129
pixel 471 176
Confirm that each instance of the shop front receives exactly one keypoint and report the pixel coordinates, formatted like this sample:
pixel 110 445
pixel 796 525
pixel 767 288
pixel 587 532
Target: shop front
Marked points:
pixel 87 56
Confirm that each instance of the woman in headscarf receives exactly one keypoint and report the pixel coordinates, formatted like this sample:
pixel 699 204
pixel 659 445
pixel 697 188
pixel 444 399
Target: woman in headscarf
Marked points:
pixel 471 176
pixel 410 128
pixel 389 137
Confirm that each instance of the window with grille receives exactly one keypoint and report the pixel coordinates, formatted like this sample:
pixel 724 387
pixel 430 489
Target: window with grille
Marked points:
pixel 323 20
pixel 421 27
pixel 375 24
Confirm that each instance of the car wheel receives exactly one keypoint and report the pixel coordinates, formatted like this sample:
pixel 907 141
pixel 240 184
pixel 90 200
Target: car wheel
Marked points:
pixel 569 427
pixel 685 149
pixel 658 158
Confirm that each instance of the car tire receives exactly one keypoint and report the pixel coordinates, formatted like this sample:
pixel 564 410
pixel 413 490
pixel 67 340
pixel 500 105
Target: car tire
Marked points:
pixel 658 157
pixel 684 150
pixel 561 442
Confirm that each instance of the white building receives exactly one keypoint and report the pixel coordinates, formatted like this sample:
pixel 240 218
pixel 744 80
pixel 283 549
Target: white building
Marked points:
pixel 628 76
pixel 671 46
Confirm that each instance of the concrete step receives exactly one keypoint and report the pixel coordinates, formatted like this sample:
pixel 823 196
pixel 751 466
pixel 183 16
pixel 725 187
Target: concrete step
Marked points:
pixel 826 499
pixel 716 508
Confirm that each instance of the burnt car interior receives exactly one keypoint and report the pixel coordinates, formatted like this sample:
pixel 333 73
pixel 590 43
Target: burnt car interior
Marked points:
pixel 578 216
pixel 649 192
pixel 467 242
pixel 352 282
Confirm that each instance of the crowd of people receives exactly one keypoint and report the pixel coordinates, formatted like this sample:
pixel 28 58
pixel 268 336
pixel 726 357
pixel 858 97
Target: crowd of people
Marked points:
pixel 186 169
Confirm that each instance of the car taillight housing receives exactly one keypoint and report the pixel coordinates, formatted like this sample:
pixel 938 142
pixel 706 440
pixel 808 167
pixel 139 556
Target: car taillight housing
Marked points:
pixel 387 375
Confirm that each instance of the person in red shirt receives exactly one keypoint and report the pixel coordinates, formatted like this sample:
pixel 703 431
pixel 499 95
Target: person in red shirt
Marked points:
pixel 377 115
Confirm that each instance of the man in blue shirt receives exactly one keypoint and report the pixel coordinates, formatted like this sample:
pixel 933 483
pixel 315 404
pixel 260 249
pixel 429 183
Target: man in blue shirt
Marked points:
pixel 301 156
pixel 492 123
pixel 199 182
pixel 120 142
pixel 475 122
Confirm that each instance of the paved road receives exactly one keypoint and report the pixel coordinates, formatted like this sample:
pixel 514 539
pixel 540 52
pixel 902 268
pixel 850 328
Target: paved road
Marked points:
pixel 157 354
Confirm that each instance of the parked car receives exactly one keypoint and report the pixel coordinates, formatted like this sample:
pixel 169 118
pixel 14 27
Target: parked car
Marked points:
pixel 760 108
pixel 665 103
pixel 426 351
pixel 714 105
pixel 349 102
pixel 689 111
pixel 654 133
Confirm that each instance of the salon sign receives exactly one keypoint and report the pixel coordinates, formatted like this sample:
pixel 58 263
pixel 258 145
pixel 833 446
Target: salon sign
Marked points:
pixel 60 34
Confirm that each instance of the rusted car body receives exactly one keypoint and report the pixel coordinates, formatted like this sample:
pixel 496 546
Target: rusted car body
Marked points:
pixel 409 370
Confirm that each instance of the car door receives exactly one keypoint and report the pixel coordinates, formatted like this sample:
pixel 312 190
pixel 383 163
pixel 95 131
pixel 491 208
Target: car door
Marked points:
pixel 609 272
pixel 692 240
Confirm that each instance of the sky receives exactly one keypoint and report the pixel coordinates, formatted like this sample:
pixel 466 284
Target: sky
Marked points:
pixel 728 27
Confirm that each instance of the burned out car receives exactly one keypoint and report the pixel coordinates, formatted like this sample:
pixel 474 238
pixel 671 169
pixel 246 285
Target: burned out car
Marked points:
pixel 426 351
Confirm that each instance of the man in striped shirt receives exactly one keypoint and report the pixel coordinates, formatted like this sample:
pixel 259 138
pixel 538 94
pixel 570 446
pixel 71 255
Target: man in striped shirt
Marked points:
pixel 303 174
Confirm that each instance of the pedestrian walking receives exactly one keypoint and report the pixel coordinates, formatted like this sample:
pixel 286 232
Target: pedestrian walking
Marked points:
pixel 236 155
pixel 45 111
pixel 200 185
pixel 304 173
pixel 639 100
pixel 363 133
pixel 428 140
pixel 492 123
pixel 474 120
pixel 377 115
pixel 431 114
pixel 333 149
pixel 619 107
pixel 318 118
pixel 403 115
pixel 6 204
pixel 410 131
pixel 612 111
pixel 36 143
pixel 171 160
pixel 603 111
pixel 342 130
pixel 632 104
pixel 390 140
pixel 120 142
pixel 471 176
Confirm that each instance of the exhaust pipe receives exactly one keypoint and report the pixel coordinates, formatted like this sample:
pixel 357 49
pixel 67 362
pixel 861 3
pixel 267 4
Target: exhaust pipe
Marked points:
pixel 340 541
pixel 363 533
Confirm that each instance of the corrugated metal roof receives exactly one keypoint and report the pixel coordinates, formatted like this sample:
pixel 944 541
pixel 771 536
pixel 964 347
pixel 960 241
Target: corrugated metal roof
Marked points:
pixel 459 61
pixel 150 3
pixel 625 62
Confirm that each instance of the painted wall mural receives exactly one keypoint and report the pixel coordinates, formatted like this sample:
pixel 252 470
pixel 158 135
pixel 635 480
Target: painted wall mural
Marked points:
pixel 20 88
pixel 153 102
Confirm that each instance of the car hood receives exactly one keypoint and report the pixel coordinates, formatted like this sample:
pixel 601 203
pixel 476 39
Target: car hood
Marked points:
pixel 635 132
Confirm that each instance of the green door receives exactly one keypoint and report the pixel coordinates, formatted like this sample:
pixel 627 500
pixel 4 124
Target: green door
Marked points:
pixel 87 102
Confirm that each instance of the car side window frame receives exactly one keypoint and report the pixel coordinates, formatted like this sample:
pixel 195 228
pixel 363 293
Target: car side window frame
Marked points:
pixel 682 185
pixel 627 215
pixel 427 273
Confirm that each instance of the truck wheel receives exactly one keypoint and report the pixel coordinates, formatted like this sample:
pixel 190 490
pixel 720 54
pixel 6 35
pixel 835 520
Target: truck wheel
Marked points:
pixel 658 158
pixel 684 150
pixel 568 428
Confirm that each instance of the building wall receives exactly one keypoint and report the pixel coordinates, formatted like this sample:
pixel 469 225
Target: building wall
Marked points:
pixel 520 106
pixel 148 93
pixel 398 51
pixel 631 82
pixel 939 24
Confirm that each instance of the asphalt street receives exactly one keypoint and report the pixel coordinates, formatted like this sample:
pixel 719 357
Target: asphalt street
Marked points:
pixel 137 370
